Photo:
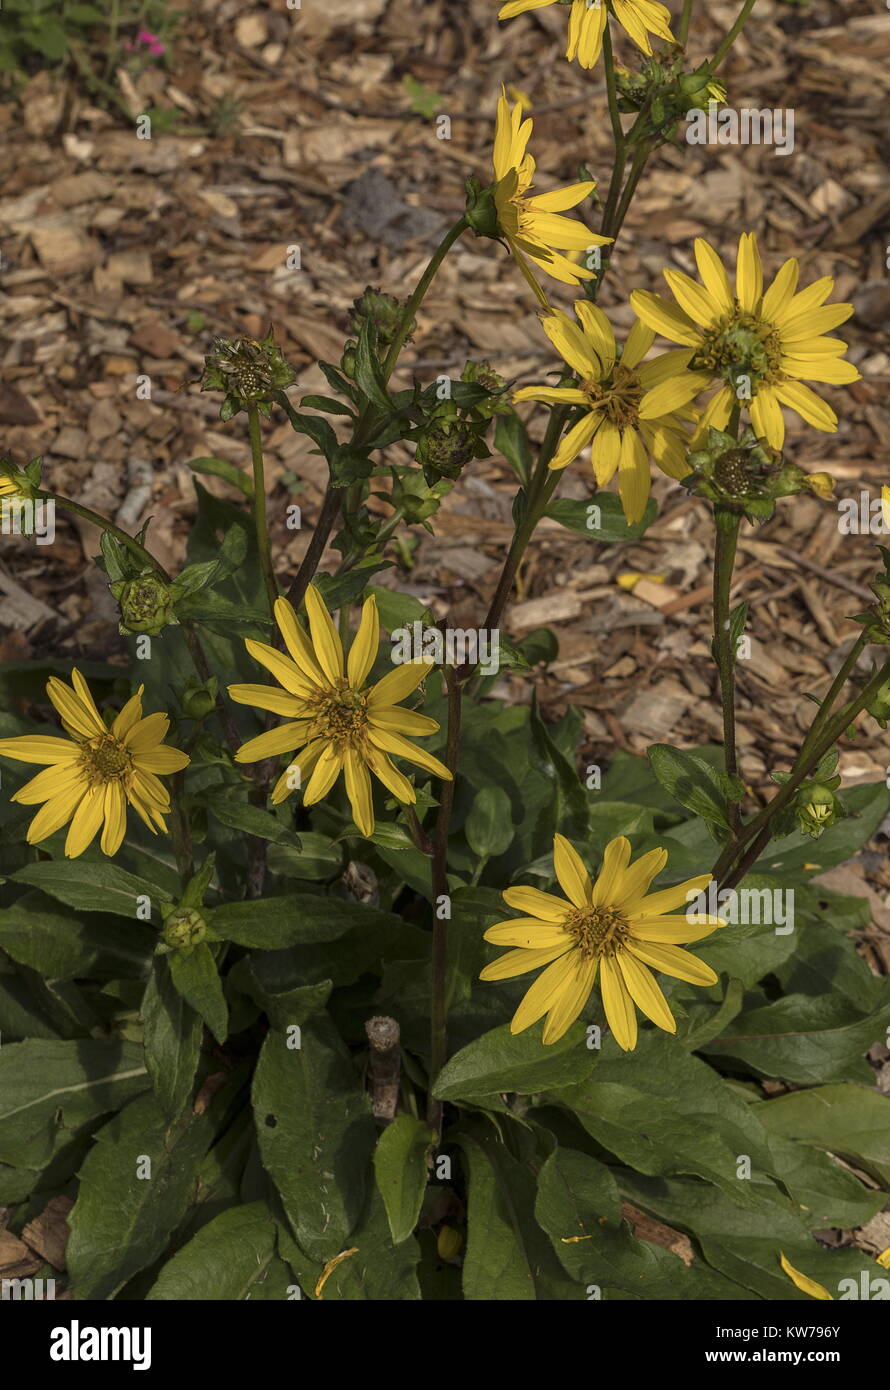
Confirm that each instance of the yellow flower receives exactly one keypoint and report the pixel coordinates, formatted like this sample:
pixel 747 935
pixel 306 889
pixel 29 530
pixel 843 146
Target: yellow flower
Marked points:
pixel 803 1281
pixel 762 345
pixel 9 488
pixel 619 424
pixel 340 725
pixel 588 20
pixel 91 775
pixel 820 485
pixel 532 227
pixel 615 924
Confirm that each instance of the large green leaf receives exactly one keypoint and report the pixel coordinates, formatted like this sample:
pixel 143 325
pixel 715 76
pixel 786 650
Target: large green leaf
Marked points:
pixel 501 1061
pixel 579 1207
pixel 92 887
pixel 804 1039
pixel 315 1133
pixel 196 977
pixel 48 1090
pixel 171 1040
pixel 226 1261
pixel 600 518
pixel 273 924
pixel 61 945
pixel 136 1185
pixel 400 1167
pixel 691 781
pixel 852 1121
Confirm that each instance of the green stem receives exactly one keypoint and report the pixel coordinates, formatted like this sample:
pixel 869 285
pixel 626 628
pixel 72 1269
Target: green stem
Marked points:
pixel 612 91
pixel 264 544
pixel 685 18
pixel 756 833
pixel 102 522
pixel 726 540
pixel 417 298
pixel 730 38
pixel 442 902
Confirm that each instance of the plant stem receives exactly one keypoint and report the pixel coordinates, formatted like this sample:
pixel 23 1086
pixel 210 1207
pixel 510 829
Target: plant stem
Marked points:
pixel 102 522
pixel 442 902
pixel 756 833
pixel 685 18
pixel 612 92
pixel 330 509
pixel 264 545
pixel 416 299
pixel 726 539
pixel 730 38
pixel 416 830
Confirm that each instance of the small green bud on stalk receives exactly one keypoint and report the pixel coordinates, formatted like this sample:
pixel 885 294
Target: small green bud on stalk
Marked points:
pixel 183 928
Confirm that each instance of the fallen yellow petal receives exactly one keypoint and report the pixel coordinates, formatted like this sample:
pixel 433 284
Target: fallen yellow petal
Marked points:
pixel 884 1258
pixel 330 1267
pixel 630 578
pixel 800 1281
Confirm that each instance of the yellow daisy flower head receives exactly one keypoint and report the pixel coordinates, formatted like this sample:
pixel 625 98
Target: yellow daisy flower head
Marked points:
pixel 532 226
pixel 761 344
pixel 9 488
pixel 615 924
pixel 619 424
pixel 587 20
pixel 337 723
pixel 90 776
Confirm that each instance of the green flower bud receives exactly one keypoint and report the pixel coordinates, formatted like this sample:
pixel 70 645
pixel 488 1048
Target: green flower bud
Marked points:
pixel 248 370
pixel 481 210
pixel 817 808
pixel 446 445
pixel 146 604
pixel 743 474
pixel 184 927
pixel 198 699
pixel 385 312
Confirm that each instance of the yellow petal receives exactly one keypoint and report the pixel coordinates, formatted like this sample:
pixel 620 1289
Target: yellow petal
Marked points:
pixel 633 477
pixel 325 638
pixel 85 822
pixel 39 748
pixel 50 782
pixel 636 878
pixel 398 720
pixel 644 991
pixel 284 739
pixel 536 904
pixel 803 1282
pixel 545 991
pixel 665 318
pixel 598 332
pixel 639 341
pixel 147 733
pixel 578 437
pixel 672 930
pixel 326 772
pixel 692 299
pixel 129 715
pixel 713 274
pixel 115 815
pixel 749 273
pixel 671 960
pixel 358 789
pixel 618 1005
pixel 282 668
pixel 519 962
pixel 268 697
pixel 616 858
pixel 55 812
pixel 394 780
pixel 529 932
pixel 398 683
pixel 363 652
pixel 653 905
pixel 570 1001
pixel 82 719
pixel 573 877
pixel 571 344
pixel 394 743
pixel 163 759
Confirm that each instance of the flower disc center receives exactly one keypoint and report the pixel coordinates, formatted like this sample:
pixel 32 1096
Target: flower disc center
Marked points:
pixel 341 715
pixel 597 931
pixel 107 760
pixel 618 397
pixel 742 345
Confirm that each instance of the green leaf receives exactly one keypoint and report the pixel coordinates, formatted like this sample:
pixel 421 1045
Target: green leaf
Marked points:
pixel 318 430
pixel 489 825
pixel 238 814
pixel 691 781
pixel 569 806
pixel 49 1090
pixel 851 1121
pixel 503 1061
pixel 221 468
pixel 328 404
pixel 171 1039
pixel 368 372
pixel 271 924
pixel 400 1167
pixel 92 887
pixel 315 1133
pixel 601 518
pixel 508 1256
pixel 317 857
pixel 197 979
pixel 136 1185
pixel 804 1039
pixel 225 1261
pixel 511 439
pixel 579 1207
pixel 38 934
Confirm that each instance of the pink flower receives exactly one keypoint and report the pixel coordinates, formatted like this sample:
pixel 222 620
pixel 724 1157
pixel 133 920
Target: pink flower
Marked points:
pixel 152 42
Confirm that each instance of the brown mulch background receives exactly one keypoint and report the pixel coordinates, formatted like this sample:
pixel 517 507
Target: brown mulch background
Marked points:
pixel 122 257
